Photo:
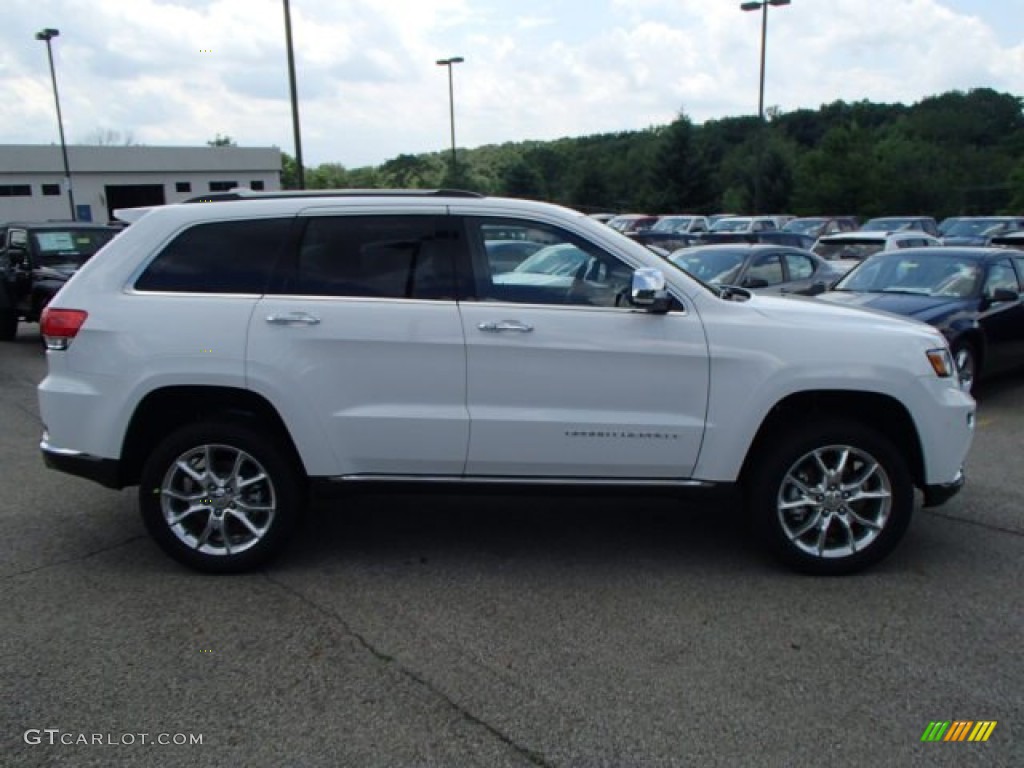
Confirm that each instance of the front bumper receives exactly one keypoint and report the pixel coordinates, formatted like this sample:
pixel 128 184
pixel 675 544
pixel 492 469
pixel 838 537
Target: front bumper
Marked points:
pixel 937 495
pixel 106 472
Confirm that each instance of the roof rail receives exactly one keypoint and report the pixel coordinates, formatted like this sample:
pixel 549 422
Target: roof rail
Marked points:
pixel 248 194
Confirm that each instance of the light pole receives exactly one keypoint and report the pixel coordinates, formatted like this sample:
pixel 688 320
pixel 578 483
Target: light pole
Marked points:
pixel 295 95
pixel 761 5
pixel 451 102
pixel 47 35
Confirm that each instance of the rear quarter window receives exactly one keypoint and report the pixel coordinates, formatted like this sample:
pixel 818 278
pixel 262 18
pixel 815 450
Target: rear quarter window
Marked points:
pixel 218 257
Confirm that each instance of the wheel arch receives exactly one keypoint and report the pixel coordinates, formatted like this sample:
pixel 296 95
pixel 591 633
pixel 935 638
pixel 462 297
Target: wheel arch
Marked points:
pixel 166 409
pixel 974 336
pixel 881 412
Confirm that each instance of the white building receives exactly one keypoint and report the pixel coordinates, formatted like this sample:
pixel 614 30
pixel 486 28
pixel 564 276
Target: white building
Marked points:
pixel 104 178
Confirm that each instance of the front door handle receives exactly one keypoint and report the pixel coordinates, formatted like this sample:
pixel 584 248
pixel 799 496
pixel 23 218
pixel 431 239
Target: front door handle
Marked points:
pixel 293 318
pixel 505 325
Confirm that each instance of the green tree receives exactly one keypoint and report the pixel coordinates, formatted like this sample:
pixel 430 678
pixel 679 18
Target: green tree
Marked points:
pixel 289 172
pixel 221 141
pixel 520 179
pixel 679 175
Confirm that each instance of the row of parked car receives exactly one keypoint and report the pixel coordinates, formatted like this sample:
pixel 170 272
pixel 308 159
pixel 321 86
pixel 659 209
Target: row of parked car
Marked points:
pixel 957 276
pixel 678 230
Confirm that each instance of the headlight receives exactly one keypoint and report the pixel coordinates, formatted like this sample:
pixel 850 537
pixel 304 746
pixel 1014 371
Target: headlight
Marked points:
pixel 942 362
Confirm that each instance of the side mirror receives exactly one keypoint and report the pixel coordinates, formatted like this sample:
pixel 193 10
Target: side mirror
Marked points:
pixel 649 291
pixel 1002 294
pixel 815 288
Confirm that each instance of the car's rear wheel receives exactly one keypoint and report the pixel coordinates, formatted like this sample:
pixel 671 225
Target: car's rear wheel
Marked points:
pixel 220 497
pixel 8 325
pixel 831 497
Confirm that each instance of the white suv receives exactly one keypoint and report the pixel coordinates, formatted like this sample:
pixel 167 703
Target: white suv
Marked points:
pixel 228 357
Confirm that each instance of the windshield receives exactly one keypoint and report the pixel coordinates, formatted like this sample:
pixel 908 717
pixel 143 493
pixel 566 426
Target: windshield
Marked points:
pixel 890 225
pixel 736 224
pixel 976 227
pixel 714 267
pixel 848 249
pixel 69 246
pixel 563 259
pixel 804 226
pixel 930 275
pixel 672 224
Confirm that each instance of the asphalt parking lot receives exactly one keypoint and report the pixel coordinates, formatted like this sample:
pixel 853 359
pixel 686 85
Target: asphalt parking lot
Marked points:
pixel 523 631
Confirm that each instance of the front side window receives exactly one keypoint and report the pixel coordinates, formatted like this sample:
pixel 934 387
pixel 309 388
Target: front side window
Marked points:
pixel 765 270
pixel 1019 263
pixel 557 268
pixel 398 257
pixel 1000 276
pixel 218 257
pixel 800 267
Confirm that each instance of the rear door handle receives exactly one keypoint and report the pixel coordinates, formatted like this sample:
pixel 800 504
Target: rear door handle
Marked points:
pixel 505 325
pixel 293 318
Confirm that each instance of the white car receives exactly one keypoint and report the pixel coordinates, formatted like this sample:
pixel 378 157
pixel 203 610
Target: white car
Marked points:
pixel 857 246
pixel 229 358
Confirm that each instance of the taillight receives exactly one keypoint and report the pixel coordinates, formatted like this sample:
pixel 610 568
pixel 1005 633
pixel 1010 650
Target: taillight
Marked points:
pixel 60 326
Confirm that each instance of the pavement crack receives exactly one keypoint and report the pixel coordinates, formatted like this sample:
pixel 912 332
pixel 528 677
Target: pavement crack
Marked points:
pixel 535 758
pixel 76 559
pixel 976 523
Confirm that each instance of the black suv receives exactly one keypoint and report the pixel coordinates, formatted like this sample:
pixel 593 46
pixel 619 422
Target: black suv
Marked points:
pixel 36 259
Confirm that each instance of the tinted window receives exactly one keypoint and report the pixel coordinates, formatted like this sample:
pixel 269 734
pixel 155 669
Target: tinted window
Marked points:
pixel 219 257
pixel 561 269
pixel 397 257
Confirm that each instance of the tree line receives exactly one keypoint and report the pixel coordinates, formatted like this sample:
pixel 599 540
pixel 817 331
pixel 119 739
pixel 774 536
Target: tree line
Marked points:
pixel 957 153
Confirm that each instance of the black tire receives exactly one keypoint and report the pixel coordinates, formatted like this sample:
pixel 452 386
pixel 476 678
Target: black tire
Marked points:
pixel 965 358
pixel 828 534
pixel 8 325
pixel 213 536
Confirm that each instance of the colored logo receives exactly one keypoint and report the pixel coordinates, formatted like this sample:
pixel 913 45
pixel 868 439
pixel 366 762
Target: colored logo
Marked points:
pixel 959 730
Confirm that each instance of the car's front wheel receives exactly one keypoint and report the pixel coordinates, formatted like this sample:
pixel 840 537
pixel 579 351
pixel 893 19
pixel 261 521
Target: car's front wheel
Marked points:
pixel 966 361
pixel 220 497
pixel 831 497
pixel 8 324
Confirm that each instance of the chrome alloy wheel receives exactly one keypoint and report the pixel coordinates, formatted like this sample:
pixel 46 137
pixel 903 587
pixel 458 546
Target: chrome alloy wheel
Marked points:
pixel 834 501
pixel 218 500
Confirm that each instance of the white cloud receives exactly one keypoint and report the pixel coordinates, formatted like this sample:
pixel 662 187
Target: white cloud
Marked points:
pixel 370 90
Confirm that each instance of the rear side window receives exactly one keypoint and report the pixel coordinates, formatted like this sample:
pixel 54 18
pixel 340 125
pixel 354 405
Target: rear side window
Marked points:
pixel 396 257
pixel 219 257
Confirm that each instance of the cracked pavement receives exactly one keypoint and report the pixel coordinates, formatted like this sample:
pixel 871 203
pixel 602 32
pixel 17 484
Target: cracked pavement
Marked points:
pixel 403 630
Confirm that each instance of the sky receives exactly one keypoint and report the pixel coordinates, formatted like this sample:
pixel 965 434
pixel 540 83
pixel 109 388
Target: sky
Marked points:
pixel 180 72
